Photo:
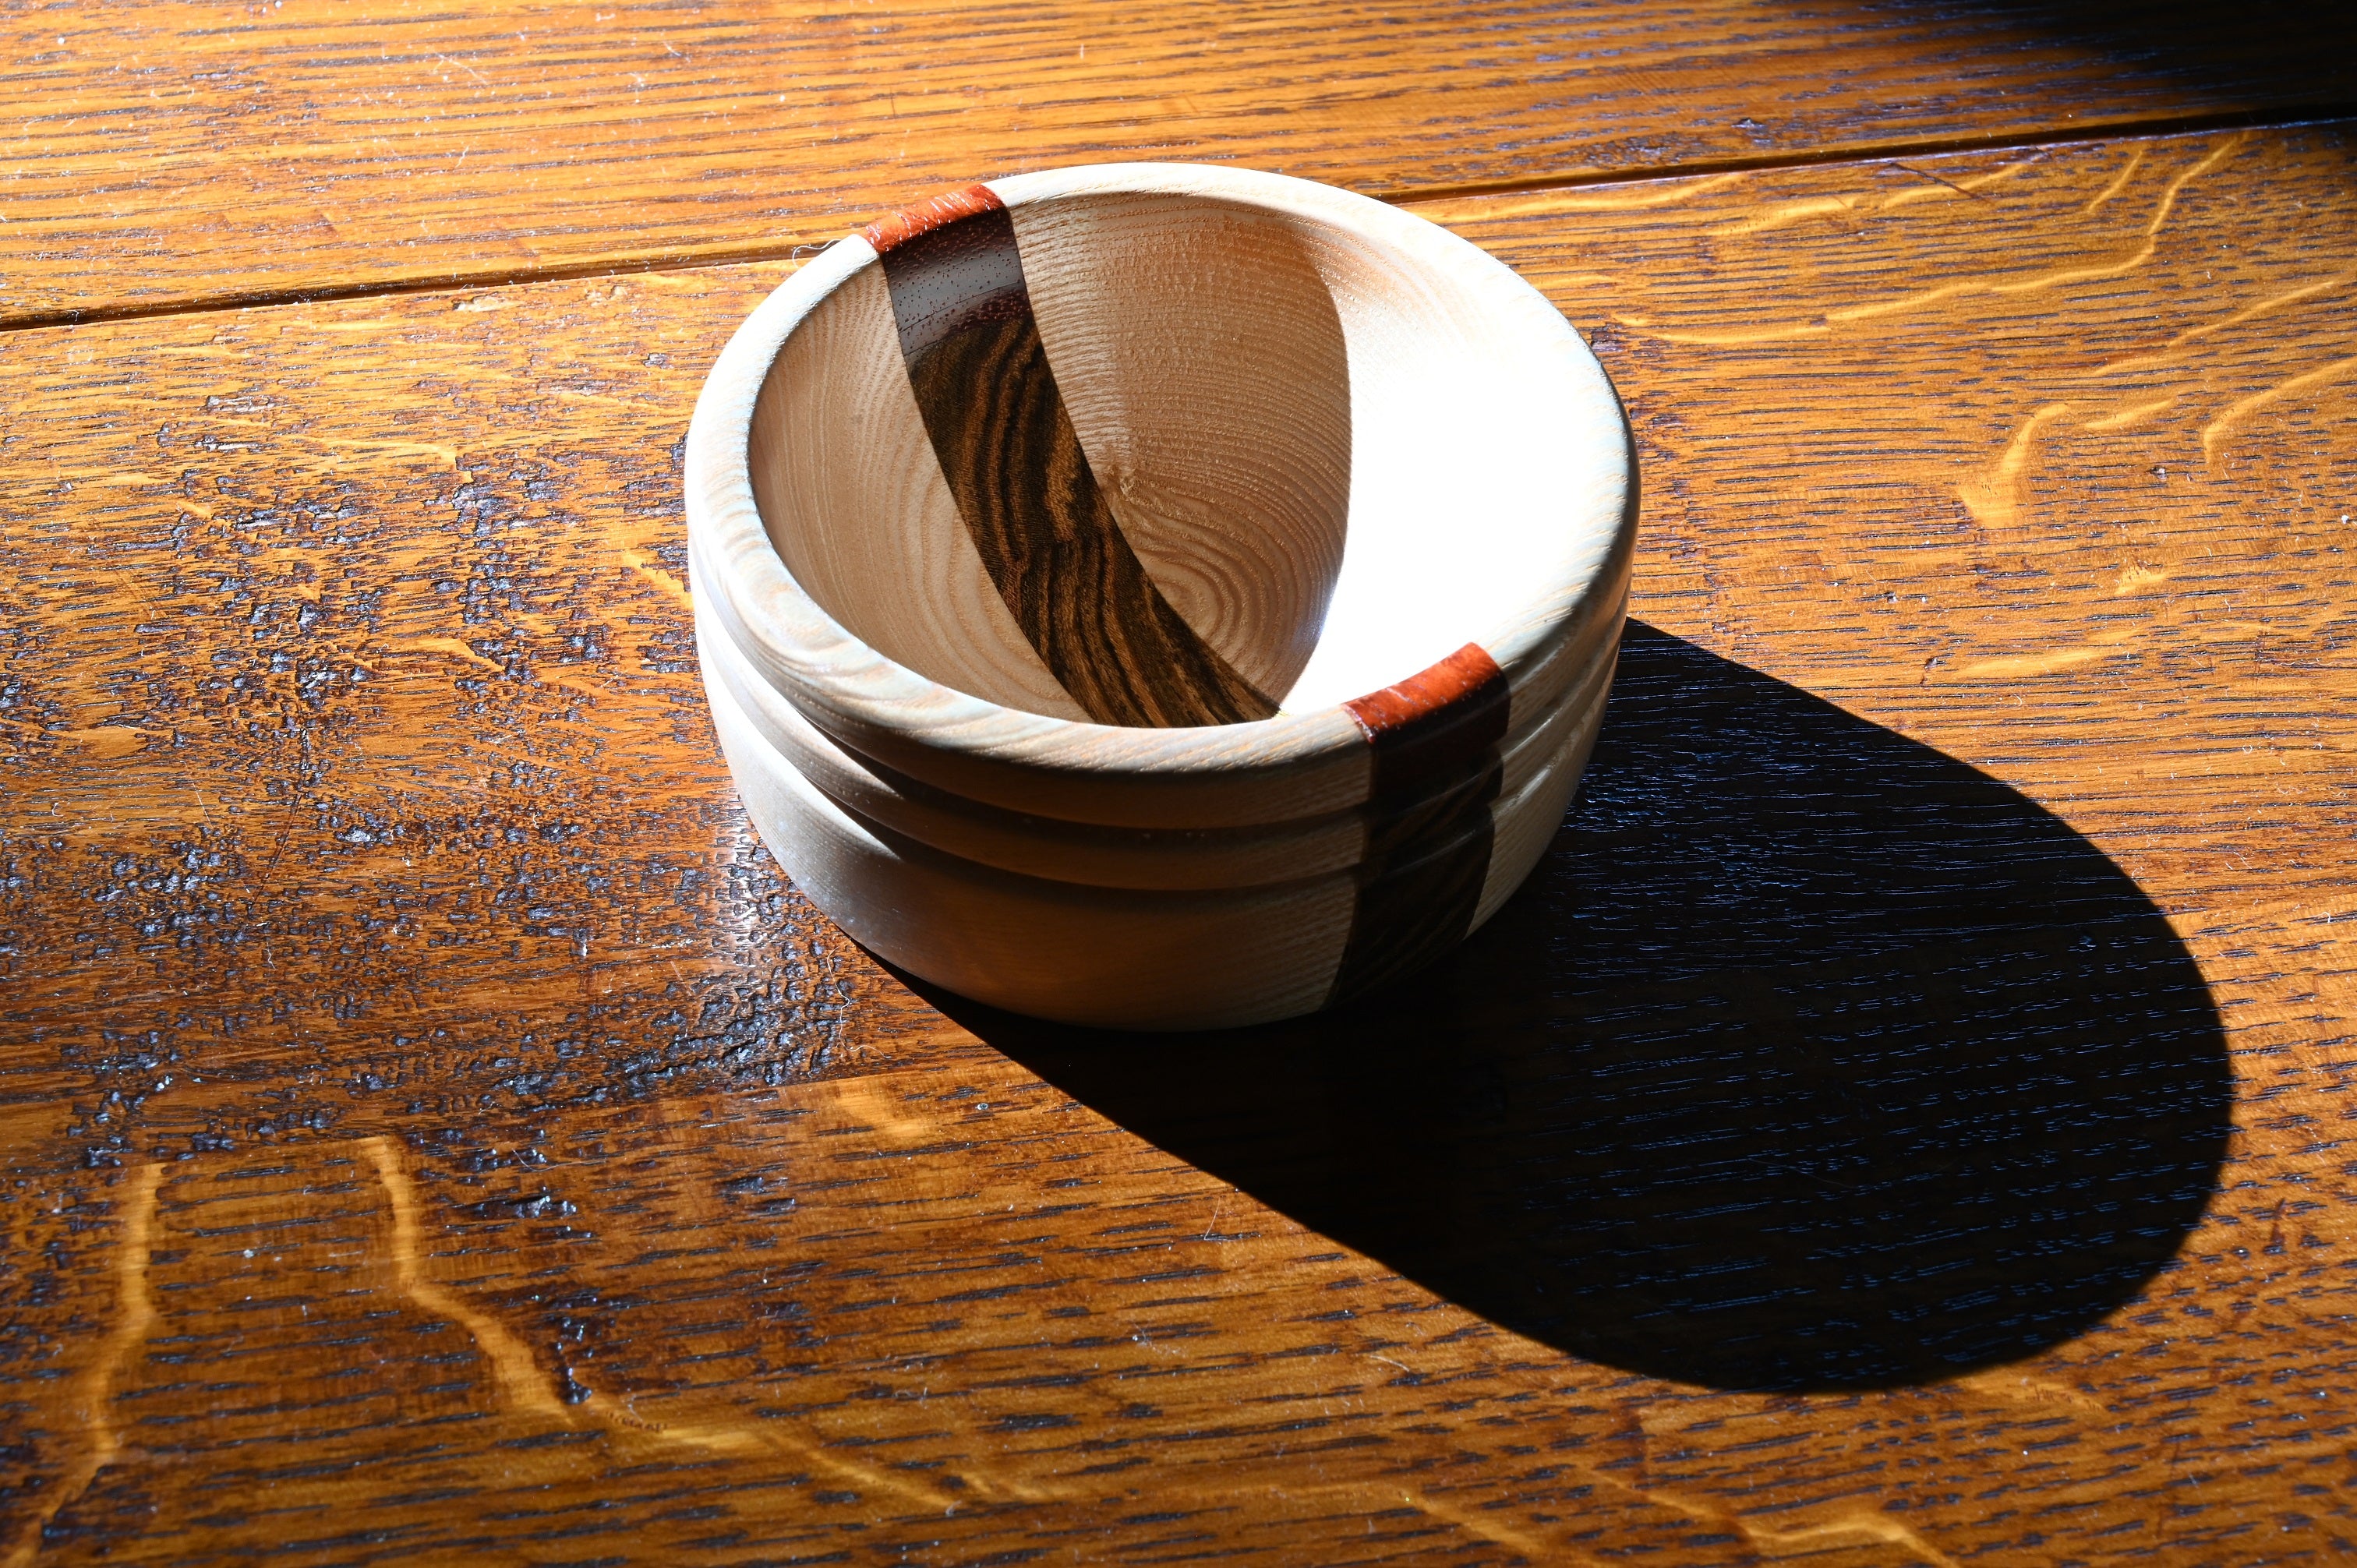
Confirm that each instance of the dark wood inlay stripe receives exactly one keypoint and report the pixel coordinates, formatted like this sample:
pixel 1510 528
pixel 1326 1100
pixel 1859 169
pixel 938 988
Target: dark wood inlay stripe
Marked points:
pixel 1023 486
pixel 1436 771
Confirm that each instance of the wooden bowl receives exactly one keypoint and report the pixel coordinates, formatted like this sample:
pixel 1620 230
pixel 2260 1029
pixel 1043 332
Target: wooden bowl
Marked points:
pixel 1096 566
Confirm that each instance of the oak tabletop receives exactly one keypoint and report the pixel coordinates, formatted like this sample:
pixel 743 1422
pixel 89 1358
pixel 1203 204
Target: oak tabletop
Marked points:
pixel 1900 1122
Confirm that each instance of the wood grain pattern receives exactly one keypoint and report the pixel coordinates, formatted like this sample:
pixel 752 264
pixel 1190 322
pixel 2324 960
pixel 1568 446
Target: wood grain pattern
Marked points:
pixel 1228 464
pixel 1053 947
pixel 1048 540
pixel 1432 723
pixel 168 154
pixel 1958 898
pixel 1418 893
pixel 855 504
pixel 330 722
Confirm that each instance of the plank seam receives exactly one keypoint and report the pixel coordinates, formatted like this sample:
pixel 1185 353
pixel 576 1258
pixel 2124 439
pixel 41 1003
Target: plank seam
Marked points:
pixel 789 250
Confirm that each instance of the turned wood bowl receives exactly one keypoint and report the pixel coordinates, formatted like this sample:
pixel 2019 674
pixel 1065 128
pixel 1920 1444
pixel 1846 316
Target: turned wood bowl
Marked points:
pixel 1158 596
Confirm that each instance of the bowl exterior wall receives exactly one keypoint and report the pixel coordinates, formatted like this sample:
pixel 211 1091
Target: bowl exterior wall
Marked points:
pixel 1184 858
pixel 1122 958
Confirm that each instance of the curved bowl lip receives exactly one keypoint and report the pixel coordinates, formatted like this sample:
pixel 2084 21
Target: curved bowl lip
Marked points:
pixel 844 683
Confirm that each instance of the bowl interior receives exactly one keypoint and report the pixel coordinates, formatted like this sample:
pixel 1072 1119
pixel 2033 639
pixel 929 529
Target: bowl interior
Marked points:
pixel 1153 459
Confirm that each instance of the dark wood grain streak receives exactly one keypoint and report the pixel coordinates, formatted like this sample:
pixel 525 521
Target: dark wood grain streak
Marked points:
pixel 1436 771
pixel 1050 544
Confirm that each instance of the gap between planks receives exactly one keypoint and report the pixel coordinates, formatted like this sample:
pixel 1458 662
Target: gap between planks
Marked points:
pixel 784 249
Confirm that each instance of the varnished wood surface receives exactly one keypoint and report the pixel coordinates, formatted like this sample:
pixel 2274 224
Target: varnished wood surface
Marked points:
pixel 1959 896
pixel 159 155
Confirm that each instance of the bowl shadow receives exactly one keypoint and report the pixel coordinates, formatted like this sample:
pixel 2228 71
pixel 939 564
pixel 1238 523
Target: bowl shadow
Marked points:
pixel 1809 1059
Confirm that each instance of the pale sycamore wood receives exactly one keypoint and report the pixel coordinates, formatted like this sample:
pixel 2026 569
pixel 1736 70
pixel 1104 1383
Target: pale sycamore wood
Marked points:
pixel 1117 958
pixel 1121 959
pixel 1343 446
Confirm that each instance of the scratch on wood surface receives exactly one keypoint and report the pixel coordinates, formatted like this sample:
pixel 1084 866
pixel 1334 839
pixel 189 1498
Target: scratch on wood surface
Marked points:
pixel 2014 664
pixel 2119 182
pixel 2054 278
pixel 2135 578
pixel 462 65
pixel 602 692
pixel 134 1313
pixel 2122 418
pixel 451 646
pixel 524 1387
pixel 2235 412
pixel 2058 277
pixel 518 1377
pixel 1993 498
pixel 1941 188
pixel 2273 302
pixel 1870 1526
pixel 1936 188
pixel 661 579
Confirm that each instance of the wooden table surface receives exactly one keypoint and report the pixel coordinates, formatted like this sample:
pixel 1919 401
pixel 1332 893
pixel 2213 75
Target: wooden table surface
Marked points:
pixel 1902 1122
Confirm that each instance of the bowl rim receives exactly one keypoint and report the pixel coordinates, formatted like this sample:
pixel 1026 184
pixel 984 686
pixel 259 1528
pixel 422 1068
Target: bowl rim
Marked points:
pixel 859 695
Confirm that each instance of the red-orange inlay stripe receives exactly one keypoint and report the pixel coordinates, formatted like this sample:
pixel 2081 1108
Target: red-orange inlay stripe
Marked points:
pixel 1459 676
pixel 927 216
